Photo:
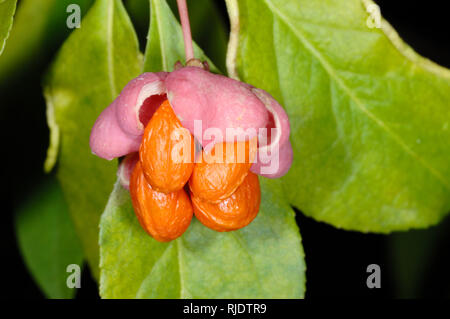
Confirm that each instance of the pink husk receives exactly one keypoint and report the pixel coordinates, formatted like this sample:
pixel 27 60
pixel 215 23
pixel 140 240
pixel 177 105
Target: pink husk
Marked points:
pixel 108 140
pixel 265 162
pixel 118 130
pixel 126 168
pixel 217 101
pixel 133 96
pixel 195 94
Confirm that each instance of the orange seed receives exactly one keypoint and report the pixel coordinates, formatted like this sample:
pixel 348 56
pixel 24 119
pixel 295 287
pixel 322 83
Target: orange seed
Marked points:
pixel 234 212
pixel 167 151
pixel 164 216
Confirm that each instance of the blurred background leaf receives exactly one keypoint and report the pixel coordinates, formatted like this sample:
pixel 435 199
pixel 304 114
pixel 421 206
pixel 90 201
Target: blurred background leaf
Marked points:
pixel 39 28
pixel 208 28
pixel 139 12
pixel 165 46
pixel 208 25
pixel 7 9
pixel 47 238
pixel 90 70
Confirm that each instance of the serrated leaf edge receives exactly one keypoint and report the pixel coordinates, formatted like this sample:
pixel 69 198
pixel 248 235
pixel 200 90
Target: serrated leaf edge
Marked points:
pixel 407 51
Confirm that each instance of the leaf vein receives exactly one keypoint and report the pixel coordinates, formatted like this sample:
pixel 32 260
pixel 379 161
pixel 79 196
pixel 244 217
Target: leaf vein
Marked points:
pixel 151 269
pixel 236 236
pixel 161 35
pixel 183 290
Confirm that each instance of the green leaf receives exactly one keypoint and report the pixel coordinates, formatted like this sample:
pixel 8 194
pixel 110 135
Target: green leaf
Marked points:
pixel 94 64
pixel 39 26
pixel 370 119
pixel 164 46
pixel 7 9
pixel 262 260
pixel 47 239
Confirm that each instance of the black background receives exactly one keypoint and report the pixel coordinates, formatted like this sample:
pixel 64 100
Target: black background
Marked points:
pixel 336 260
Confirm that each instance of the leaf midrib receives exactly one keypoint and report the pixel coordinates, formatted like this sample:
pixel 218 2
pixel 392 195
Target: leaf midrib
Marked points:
pixel 110 47
pixel 177 244
pixel 174 245
pixel 161 35
pixel 332 74
pixel 151 269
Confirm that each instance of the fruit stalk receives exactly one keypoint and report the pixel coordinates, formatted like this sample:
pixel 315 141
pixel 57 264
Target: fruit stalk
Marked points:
pixel 186 27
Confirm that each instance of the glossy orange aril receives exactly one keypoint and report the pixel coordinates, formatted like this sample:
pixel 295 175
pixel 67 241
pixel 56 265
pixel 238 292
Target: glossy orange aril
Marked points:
pixel 234 212
pixel 164 216
pixel 220 171
pixel 167 151
pixel 225 195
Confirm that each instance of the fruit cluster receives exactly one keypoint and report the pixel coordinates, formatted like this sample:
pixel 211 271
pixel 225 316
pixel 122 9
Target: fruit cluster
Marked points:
pixel 171 181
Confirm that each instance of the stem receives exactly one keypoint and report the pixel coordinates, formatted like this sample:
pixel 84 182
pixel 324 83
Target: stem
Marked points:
pixel 185 25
